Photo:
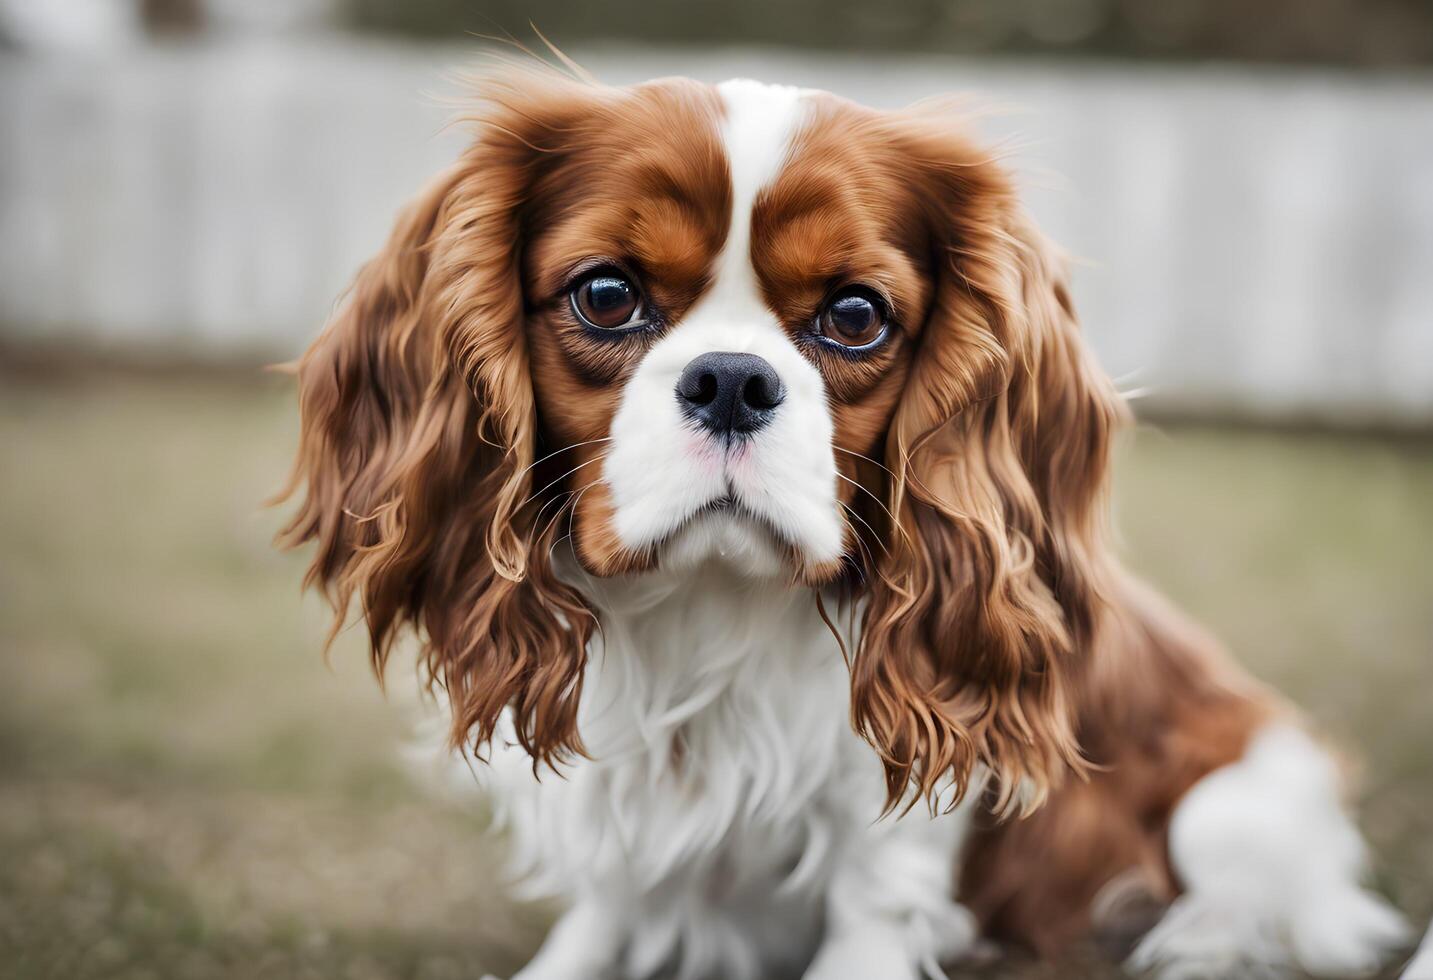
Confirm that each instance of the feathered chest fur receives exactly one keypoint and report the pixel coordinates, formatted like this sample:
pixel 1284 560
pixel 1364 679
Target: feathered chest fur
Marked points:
pixel 723 775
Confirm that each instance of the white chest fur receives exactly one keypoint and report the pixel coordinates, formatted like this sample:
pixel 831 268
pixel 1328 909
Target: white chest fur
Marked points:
pixel 724 785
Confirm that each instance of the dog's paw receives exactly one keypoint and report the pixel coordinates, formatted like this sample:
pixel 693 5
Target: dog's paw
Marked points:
pixel 1338 931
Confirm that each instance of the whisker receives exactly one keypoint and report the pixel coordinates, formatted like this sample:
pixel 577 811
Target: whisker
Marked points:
pixel 870 561
pixel 557 515
pixel 559 452
pixel 585 487
pixel 539 493
pixel 564 496
pixel 551 550
pixel 879 502
pixel 877 537
pixel 868 459
pixel 906 463
pixel 571 510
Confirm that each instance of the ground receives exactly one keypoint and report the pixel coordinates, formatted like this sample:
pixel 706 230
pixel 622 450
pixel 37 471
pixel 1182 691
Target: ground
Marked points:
pixel 188 790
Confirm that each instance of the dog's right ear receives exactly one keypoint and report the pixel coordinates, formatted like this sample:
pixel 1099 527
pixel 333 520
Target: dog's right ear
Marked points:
pixel 362 387
pixel 418 436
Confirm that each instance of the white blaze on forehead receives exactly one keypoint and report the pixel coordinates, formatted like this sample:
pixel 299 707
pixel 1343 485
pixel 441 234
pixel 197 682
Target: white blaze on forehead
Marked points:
pixel 662 470
pixel 757 131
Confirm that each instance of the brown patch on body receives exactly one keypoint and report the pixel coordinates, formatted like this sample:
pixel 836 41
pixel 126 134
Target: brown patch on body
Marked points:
pixel 1160 709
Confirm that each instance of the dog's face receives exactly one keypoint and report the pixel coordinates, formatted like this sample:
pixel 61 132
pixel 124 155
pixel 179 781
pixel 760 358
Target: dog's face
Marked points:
pixel 678 324
pixel 724 290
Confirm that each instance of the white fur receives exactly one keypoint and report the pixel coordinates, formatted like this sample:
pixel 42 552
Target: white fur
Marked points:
pixel 1272 865
pixel 726 820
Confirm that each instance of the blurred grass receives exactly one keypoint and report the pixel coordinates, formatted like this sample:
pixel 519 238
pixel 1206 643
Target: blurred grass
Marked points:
pixel 186 790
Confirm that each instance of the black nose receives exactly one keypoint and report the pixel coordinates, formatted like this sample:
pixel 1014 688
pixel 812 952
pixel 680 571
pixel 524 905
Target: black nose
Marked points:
pixel 726 392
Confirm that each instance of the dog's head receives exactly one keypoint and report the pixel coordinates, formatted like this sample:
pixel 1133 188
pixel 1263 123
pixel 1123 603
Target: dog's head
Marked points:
pixel 674 324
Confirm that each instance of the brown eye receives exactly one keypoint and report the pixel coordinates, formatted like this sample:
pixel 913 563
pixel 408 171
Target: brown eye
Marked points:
pixel 853 318
pixel 607 301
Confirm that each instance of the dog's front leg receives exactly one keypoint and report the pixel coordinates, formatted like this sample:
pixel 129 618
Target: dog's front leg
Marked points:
pixel 890 914
pixel 582 945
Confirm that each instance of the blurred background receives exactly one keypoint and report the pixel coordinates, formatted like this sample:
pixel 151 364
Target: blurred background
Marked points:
pixel 186 186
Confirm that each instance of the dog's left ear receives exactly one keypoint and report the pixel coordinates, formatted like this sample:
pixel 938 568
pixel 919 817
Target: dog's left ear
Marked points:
pixel 984 609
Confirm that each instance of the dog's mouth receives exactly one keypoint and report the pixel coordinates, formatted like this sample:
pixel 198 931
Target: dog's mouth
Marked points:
pixel 728 529
pixel 730 510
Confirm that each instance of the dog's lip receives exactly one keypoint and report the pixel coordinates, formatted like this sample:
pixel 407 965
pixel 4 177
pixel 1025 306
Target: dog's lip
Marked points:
pixel 730 505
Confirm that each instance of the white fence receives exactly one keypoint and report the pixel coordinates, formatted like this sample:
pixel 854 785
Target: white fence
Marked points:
pixel 1255 242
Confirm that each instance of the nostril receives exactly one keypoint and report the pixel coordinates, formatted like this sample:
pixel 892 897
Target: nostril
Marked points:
pixel 706 390
pixel 762 391
pixel 699 388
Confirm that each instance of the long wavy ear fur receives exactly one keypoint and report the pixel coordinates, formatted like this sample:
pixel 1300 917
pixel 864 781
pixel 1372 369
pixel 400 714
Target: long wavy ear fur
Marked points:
pixel 980 617
pixel 418 430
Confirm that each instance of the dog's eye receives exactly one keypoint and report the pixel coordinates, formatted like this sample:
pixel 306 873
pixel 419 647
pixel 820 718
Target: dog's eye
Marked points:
pixel 854 318
pixel 607 301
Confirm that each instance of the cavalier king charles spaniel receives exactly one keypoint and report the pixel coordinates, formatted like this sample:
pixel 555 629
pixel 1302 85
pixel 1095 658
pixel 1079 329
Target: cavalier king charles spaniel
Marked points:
pixel 734 455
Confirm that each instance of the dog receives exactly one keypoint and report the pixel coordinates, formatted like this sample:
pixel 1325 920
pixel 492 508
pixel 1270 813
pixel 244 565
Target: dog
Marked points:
pixel 734 454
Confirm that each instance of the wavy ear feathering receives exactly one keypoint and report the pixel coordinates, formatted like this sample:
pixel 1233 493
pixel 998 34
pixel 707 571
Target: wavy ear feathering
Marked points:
pixel 419 434
pixel 980 616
